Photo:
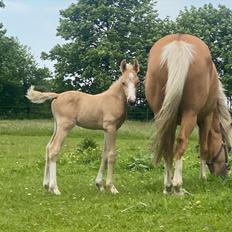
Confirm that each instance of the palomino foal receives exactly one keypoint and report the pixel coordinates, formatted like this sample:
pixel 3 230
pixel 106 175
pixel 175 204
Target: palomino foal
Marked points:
pixel 105 111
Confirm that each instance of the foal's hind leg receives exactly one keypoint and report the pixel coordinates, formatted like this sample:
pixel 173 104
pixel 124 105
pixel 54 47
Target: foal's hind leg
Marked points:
pixel 99 178
pixel 46 169
pixel 53 151
pixel 188 123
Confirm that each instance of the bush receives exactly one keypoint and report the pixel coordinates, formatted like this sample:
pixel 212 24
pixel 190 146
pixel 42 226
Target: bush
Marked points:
pixel 86 152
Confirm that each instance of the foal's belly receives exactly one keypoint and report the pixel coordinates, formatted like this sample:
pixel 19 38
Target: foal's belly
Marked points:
pixel 90 122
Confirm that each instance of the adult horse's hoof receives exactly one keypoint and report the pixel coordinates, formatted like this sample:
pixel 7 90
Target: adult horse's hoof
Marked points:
pixel 179 191
pixel 167 190
pixel 203 177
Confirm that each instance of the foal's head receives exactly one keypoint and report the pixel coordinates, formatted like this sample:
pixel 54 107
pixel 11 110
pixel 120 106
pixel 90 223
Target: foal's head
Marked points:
pixel 218 163
pixel 129 80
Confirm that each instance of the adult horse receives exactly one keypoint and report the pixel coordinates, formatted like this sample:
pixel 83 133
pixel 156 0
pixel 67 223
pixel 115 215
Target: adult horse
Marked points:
pixel 182 87
pixel 105 111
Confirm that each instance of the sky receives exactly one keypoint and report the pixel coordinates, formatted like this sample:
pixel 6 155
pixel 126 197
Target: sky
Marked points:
pixel 34 22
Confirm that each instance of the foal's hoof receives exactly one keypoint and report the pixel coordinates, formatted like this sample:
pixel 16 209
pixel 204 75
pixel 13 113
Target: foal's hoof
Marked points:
pixel 46 186
pixel 100 187
pixel 203 177
pixel 113 189
pixel 54 191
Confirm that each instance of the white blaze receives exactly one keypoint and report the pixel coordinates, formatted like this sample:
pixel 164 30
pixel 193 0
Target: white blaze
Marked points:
pixel 131 88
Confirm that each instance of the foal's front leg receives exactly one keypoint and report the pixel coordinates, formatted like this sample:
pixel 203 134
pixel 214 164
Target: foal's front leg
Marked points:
pixel 99 178
pixel 111 157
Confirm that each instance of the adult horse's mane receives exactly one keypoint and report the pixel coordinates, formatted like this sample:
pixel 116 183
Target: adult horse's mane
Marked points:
pixel 224 116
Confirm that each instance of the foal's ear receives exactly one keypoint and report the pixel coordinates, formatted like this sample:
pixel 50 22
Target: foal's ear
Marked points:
pixel 136 65
pixel 123 66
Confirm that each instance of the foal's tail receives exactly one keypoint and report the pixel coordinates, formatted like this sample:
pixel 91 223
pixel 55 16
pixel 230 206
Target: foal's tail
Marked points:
pixel 39 97
pixel 178 56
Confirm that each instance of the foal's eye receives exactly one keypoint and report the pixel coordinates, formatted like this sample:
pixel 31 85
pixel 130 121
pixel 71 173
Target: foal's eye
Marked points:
pixel 123 83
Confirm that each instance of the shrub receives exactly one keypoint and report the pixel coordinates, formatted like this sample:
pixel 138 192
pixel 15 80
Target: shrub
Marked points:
pixel 86 152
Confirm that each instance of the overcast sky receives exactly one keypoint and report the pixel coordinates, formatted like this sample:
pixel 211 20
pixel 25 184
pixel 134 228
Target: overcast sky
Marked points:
pixel 34 22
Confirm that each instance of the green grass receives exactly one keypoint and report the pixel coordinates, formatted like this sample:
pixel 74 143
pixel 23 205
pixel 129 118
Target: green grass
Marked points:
pixel 140 205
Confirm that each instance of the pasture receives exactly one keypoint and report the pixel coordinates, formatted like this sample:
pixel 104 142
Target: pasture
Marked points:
pixel 140 204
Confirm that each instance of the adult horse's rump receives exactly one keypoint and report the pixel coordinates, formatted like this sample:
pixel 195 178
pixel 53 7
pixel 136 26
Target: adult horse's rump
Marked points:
pixel 182 87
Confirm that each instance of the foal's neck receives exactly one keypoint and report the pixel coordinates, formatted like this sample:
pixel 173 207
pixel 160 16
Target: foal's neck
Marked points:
pixel 116 89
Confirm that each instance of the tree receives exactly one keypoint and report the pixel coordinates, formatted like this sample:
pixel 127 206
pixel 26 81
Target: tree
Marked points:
pixel 2 3
pixel 18 70
pixel 213 26
pixel 99 35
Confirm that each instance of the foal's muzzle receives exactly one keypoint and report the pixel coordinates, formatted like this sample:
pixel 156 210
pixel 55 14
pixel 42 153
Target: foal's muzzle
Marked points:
pixel 131 102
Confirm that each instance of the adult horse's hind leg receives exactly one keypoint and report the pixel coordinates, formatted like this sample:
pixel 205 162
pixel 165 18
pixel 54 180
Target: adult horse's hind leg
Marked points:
pixel 188 123
pixel 168 175
pixel 99 178
pixel 63 127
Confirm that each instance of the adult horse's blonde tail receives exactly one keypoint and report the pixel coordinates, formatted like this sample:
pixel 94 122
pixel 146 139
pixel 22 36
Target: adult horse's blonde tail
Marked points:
pixel 39 97
pixel 177 56
pixel 224 116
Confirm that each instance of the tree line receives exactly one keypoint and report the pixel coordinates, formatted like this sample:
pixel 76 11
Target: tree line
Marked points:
pixel 98 35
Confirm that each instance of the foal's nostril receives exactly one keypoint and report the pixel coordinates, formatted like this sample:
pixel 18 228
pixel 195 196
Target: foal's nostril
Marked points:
pixel 131 102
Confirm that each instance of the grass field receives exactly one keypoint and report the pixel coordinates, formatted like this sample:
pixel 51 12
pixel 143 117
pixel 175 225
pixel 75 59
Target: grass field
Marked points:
pixel 140 205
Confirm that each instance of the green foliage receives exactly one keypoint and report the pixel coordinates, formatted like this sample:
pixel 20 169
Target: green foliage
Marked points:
pixel 139 162
pixel 213 26
pixel 18 70
pixel 99 35
pixel 86 152
pixel 2 3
